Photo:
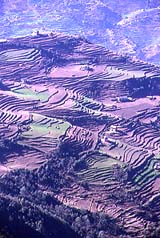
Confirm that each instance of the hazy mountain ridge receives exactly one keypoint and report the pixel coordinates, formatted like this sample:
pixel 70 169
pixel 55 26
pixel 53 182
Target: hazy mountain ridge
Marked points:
pixel 130 27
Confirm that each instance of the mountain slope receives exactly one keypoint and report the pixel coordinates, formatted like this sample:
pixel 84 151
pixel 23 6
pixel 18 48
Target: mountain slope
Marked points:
pixel 81 124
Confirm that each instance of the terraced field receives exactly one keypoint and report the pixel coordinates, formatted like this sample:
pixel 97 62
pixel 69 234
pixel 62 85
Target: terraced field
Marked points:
pixel 62 93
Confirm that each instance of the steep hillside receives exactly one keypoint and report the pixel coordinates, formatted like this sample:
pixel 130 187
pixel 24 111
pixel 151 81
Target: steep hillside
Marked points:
pixel 81 124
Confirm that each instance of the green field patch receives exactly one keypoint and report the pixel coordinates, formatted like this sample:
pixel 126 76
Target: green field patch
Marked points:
pixel 149 171
pixel 140 181
pixel 106 163
pixel 99 169
pixel 29 94
pixel 51 129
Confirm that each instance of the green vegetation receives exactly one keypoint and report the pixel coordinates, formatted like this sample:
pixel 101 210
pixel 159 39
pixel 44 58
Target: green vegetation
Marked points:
pixel 148 173
pixel 38 130
pixel 99 169
pixel 29 94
